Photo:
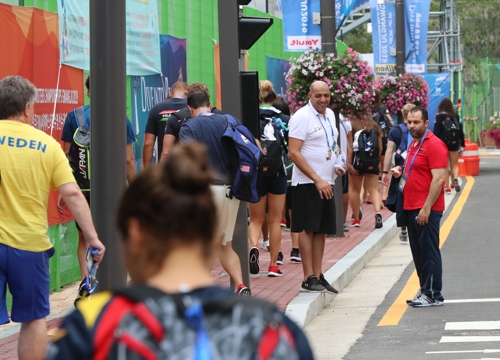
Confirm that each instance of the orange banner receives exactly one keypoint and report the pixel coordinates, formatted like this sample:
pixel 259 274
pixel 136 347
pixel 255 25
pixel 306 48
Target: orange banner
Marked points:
pixel 218 92
pixel 29 48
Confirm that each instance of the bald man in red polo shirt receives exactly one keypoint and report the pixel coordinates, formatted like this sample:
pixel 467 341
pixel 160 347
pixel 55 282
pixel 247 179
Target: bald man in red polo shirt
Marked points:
pixel 422 179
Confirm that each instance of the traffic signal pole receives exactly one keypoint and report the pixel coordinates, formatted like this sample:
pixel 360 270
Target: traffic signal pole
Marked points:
pixel 329 45
pixel 108 131
pixel 231 104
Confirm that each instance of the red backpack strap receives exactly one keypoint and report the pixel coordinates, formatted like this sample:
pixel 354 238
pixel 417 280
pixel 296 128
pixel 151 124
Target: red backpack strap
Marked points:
pixel 104 331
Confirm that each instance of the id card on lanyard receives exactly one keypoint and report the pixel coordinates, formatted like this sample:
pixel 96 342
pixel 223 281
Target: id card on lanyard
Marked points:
pixel 406 172
pixel 331 149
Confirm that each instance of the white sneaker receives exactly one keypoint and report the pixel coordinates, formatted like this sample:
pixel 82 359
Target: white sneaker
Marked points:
pixel 265 245
pixel 346 226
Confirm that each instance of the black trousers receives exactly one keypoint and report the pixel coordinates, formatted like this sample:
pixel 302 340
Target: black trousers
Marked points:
pixel 424 244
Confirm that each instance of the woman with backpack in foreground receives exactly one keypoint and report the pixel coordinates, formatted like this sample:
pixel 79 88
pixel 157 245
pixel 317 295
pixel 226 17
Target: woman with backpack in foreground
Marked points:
pixel 448 128
pixel 167 219
pixel 365 167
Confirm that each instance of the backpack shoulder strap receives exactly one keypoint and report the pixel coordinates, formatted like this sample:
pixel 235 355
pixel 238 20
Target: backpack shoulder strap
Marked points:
pixel 80 116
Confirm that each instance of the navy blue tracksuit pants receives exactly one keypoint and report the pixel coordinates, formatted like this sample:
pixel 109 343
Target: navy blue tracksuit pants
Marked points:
pixel 424 244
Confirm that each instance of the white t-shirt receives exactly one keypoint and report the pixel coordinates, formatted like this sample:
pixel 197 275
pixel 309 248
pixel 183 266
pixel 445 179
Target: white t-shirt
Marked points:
pixel 318 135
pixel 345 128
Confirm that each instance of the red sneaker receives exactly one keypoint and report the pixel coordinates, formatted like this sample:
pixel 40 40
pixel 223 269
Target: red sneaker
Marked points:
pixel 274 271
pixel 243 290
pixel 283 223
pixel 447 191
pixel 356 223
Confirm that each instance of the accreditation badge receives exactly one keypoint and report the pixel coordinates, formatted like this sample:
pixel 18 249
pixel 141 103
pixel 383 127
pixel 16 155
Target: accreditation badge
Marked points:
pixel 402 182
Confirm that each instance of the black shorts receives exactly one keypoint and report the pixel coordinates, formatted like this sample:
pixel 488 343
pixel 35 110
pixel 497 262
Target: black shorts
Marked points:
pixel 311 213
pixel 345 183
pixel 289 197
pixel 274 185
pixel 87 197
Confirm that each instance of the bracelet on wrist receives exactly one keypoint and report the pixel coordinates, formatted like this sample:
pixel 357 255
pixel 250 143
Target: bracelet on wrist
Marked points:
pixel 385 172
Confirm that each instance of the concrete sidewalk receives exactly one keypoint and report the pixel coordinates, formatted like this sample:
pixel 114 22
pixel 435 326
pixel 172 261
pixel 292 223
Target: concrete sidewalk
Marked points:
pixel 344 258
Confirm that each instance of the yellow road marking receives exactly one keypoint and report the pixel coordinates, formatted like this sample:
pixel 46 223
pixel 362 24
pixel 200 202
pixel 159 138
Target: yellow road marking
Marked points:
pixel 398 308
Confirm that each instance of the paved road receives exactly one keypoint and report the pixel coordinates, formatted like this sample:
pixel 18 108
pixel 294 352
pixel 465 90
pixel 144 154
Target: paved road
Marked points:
pixel 468 325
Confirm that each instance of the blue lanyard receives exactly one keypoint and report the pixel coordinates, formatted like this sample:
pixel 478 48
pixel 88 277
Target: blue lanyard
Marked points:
pixel 416 153
pixel 204 112
pixel 331 128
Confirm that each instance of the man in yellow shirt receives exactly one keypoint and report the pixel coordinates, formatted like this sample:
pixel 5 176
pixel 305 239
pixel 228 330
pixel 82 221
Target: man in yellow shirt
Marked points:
pixel 31 164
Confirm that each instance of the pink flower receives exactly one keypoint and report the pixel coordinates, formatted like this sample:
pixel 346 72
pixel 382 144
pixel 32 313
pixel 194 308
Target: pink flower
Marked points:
pixel 349 50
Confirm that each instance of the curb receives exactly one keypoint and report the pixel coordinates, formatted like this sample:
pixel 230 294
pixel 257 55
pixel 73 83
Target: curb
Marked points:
pixel 306 306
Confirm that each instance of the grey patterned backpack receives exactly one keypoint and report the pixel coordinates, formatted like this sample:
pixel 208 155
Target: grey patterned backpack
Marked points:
pixel 149 324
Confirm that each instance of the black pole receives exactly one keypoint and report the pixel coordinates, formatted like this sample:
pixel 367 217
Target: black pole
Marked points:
pixel 328 27
pixel 400 37
pixel 108 131
pixel 231 104
pixel 329 45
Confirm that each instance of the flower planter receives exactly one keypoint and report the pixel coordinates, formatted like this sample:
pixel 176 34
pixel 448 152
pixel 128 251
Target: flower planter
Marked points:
pixel 489 142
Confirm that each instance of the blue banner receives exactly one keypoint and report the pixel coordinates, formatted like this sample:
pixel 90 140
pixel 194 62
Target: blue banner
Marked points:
pixel 439 88
pixel 416 26
pixel 299 31
pixel 276 70
pixel 143 48
pixel 384 37
pixel 147 91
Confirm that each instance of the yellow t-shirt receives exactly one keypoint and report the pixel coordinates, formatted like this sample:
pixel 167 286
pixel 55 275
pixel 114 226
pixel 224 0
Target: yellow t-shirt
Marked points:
pixel 31 164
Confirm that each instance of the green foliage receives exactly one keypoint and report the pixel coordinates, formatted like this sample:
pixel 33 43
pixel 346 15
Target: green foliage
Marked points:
pixel 480 28
pixel 360 40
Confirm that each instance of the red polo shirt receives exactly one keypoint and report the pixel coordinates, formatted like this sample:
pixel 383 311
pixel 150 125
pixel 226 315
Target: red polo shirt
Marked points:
pixel 432 155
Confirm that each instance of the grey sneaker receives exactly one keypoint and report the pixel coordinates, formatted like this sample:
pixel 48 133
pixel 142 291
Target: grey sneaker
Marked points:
pixel 329 288
pixel 403 236
pixel 312 284
pixel 457 185
pixel 378 221
pixel 425 301
pixel 409 301
pixel 346 226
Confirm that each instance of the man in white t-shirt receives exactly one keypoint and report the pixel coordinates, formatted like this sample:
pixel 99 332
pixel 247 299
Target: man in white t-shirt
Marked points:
pixel 313 148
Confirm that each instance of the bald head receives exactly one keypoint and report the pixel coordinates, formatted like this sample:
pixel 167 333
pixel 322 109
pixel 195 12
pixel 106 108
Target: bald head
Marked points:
pixel 318 85
pixel 319 95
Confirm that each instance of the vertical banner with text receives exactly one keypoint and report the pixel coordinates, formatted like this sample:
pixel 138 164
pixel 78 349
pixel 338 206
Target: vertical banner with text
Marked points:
pixel 416 26
pixel 29 48
pixel 147 91
pixel 299 31
pixel 276 71
pixel 439 88
pixel 143 48
pixel 384 37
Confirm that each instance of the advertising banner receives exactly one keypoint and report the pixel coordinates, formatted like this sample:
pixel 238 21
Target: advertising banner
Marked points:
pixel 276 71
pixel 384 36
pixel 416 26
pixel 143 49
pixel 29 39
pixel 439 88
pixel 299 31
pixel 147 91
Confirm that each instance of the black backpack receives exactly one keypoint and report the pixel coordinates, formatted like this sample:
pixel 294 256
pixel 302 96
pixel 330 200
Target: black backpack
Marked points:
pixel 149 324
pixel 385 125
pixel 451 134
pixel 79 152
pixel 367 158
pixel 273 144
